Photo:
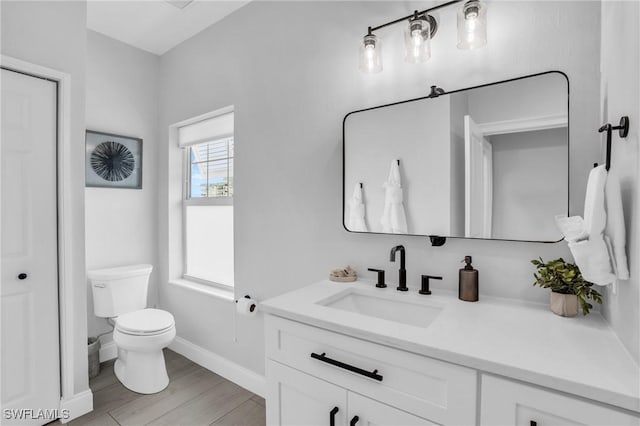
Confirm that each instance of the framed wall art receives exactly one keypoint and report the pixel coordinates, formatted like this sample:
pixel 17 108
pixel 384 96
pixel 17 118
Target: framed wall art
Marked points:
pixel 113 161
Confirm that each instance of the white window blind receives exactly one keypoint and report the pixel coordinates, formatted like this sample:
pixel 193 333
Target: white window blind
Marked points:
pixel 211 169
pixel 210 129
pixel 209 244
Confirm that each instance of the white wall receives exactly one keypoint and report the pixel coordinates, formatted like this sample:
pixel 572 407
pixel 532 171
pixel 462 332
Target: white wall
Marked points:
pixel 620 95
pixel 534 97
pixel 290 70
pixel 53 34
pixel 529 184
pixel 122 98
pixel 417 134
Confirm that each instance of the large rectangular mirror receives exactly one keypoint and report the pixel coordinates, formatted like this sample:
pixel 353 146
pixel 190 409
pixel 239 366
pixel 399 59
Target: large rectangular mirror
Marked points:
pixel 486 162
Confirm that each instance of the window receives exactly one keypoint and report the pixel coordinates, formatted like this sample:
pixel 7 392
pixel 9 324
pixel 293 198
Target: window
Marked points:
pixel 208 146
pixel 211 169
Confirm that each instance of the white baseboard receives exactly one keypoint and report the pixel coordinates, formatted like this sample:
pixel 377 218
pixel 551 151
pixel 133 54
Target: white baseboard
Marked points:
pixel 78 405
pixel 108 351
pixel 238 374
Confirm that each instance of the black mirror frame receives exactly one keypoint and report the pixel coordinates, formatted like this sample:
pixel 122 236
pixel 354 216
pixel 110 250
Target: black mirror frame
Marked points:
pixel 442 238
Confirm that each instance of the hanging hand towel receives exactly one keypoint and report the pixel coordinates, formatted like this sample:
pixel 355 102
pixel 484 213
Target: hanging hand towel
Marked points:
pixel 357 211
pixel 615 228
pixel 591 255
pixel 595 217
pixel 394 219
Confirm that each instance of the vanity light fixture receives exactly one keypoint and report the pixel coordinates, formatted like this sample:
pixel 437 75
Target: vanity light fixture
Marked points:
pixel 371 54
pixel 472 25
pixel 417 38
pixel 472 34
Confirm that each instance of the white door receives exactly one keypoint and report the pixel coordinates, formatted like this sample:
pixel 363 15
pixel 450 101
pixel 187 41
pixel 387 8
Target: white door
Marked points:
pixel 367 412
pixel 478 188
pixel 298 399
pixel 30 366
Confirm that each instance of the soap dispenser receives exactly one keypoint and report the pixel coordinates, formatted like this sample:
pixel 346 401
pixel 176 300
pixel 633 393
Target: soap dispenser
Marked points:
pixel 468 284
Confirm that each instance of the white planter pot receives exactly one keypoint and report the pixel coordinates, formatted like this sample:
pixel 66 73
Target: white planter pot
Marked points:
pixel 565 305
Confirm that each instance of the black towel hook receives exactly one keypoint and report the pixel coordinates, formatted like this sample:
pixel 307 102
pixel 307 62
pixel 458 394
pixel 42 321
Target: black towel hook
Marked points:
pixel 623 131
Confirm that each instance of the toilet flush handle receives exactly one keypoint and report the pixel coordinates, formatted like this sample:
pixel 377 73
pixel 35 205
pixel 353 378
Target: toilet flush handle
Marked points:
pixel 99 285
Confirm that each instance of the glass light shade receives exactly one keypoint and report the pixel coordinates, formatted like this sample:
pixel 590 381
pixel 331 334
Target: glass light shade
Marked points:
pixel 370 55
pixel 472 25
pixel 417 41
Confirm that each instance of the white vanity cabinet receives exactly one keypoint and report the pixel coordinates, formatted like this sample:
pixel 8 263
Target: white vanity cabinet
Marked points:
pixel 312 372
pixel 309 373
pixel 297 398
pixel 505 402
pixel 467 366
pixel 372 413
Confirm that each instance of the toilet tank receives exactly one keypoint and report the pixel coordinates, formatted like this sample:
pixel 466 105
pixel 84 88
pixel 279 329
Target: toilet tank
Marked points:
pixel 120 290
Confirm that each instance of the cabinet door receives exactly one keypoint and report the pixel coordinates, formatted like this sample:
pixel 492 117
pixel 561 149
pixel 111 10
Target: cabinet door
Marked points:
pixel 505 402
pixel 298 399
pixel 370 413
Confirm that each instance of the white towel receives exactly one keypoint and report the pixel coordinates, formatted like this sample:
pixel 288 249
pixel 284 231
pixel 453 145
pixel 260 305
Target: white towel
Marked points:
pixel 394 218
pixel 615 228
pixel 595 217
pixel 573 228
pixel 357 211
pixel 592 255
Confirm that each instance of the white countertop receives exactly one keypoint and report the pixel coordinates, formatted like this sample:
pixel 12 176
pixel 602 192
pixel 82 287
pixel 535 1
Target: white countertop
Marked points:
pixel 523 341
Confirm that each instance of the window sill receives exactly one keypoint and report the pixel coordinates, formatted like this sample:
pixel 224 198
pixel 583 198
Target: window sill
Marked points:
pixel 220 293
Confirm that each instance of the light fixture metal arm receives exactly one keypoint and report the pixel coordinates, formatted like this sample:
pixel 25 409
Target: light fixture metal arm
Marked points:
pixel 424 12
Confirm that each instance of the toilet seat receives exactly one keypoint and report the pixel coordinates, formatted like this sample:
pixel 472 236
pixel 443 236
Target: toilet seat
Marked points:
pixel 145 322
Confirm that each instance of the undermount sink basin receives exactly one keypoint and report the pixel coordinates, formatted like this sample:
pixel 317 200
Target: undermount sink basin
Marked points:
pixel 388 307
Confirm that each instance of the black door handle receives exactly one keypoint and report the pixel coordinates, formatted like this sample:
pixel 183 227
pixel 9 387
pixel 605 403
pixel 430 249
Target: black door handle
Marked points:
pixel 354 420
pixel 332 416
pixel 22 276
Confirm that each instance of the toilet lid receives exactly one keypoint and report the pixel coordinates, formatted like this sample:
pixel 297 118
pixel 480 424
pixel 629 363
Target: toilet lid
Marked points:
pixel 145 321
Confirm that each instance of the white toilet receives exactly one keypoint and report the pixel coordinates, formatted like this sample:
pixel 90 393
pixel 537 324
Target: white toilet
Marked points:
pixel 140 333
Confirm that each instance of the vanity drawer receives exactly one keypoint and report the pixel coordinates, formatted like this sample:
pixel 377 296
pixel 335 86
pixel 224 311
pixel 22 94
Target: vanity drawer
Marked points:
pixel 505 402
pixel 438 391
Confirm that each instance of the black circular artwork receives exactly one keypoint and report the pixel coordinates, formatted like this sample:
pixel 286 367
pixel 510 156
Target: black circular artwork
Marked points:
pixel 112 161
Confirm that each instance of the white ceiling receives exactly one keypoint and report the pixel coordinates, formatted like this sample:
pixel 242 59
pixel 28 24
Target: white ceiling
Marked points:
pixel 156 25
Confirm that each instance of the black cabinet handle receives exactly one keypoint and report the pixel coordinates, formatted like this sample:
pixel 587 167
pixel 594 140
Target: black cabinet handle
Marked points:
pixel 354 420
pixel 533 423
pixel 332 416
pixel 371 374
pixel 22 276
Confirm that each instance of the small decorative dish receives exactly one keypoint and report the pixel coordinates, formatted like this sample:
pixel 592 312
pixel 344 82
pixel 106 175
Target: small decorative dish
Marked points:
pixel 345 275
pixel 342 279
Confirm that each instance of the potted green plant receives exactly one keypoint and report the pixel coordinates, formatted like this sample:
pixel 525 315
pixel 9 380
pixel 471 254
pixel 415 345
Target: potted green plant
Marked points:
pixel 568 287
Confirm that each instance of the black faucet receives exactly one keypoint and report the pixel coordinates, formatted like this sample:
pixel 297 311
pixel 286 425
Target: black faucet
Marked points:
pixel 402 273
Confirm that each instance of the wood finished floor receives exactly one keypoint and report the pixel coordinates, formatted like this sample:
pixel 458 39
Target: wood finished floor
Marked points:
pixel 195 396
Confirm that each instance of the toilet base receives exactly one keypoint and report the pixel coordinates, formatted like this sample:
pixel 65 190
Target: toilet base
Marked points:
pixel 141 372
